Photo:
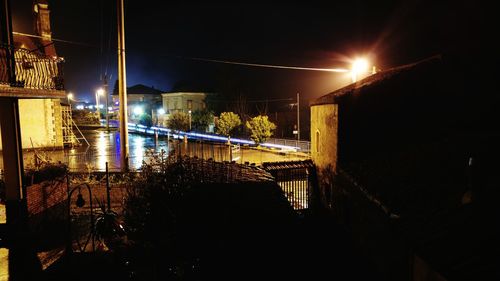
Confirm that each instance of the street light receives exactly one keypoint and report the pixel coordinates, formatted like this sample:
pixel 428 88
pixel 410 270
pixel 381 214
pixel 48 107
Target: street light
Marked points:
pixel 160 112
pixel 189 120
pixel 70 97
pixel 138 110
pixel 359 67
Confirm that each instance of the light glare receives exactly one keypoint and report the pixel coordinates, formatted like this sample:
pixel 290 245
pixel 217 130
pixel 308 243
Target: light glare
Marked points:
pixel 138 110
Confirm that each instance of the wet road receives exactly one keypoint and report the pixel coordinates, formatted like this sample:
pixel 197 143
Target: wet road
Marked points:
pixel 105 147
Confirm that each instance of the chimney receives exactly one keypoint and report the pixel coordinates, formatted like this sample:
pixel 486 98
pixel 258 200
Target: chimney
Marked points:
pixel 41 15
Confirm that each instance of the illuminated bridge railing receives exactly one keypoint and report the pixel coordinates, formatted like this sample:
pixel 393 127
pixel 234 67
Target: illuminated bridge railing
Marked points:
pixel 161 131
pixel 33 70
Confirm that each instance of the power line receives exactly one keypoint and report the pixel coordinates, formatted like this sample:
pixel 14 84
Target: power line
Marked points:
pixel 57 40
pixel 271 65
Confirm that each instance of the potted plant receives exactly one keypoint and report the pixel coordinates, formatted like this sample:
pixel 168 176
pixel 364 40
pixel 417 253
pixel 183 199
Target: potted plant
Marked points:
pixel 108 229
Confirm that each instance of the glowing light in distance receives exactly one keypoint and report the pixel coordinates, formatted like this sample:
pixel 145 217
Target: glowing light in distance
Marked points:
pixel 161 111
pixel 138 110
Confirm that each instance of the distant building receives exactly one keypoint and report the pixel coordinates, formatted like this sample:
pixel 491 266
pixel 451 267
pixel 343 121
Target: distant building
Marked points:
pixel 183 101
pixel 140 99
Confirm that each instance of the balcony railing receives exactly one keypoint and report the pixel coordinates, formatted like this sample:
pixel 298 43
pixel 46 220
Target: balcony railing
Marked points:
pixel 33 70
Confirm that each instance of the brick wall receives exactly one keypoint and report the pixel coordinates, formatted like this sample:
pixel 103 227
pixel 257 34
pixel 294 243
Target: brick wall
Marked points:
pixel 43 196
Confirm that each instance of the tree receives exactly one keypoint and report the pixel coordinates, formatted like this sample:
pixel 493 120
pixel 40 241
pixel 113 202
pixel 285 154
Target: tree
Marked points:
pixel 227 122
pixel 261 128
pixel 146 120
pixel 202 119
pixel 178 121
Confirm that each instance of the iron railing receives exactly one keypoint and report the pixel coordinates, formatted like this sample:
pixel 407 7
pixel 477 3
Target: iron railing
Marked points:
pixel 295 180
pixel 304 146
pixel 33 70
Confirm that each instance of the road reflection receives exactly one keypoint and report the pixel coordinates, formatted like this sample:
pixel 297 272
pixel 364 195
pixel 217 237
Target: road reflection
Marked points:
pixel 105 147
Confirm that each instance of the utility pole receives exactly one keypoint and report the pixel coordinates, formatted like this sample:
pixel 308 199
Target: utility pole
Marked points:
pixel 298 117
pixel 105 86
pixel 122 87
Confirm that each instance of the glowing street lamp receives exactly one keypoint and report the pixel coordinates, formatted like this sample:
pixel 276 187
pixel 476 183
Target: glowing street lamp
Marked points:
pixel 70 97
pixel 138 110
pixel 189 120
pixel 359 68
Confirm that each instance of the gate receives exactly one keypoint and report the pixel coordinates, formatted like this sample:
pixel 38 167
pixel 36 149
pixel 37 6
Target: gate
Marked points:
pixel 295 179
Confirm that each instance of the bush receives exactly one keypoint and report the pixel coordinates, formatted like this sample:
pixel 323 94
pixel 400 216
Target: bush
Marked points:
pixel 45 172
pixel 153 200
pixel 146 120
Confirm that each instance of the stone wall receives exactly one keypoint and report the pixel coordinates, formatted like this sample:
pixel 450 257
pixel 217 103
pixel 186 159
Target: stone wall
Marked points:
pixel 324 130
pixel 324 141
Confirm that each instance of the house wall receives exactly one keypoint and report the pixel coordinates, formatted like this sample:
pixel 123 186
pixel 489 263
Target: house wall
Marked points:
pixel 179 102
pixel 324 128
pixel 324 141
pixel 41 123
pixel 148 102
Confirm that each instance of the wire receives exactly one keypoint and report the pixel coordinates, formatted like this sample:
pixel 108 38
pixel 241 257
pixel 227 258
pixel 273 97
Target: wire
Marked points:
pixel 53 39
pixel 271 66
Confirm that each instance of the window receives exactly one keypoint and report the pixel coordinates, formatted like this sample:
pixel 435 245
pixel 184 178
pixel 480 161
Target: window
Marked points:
pixel 317 141
pixel 190 104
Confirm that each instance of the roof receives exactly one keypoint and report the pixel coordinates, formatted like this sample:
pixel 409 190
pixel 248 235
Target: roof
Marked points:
pixel 185 93
pixel 376 79
pixel 140 89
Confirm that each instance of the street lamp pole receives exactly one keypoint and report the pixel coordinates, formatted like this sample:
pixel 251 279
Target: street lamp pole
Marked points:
pixel 107 101
pixel 189 120
pixel 298 117
pixel 97 105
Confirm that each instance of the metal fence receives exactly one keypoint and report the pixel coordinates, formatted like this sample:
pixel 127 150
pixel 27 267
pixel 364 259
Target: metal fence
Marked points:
pixel 304 146
pixel 295 179
pixel 33 70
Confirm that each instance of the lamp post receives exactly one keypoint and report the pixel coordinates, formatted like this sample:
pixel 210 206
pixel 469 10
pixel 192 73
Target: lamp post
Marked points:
pixel 97 94
pixel 189 120
pixel 160 112
pixel 105 91
pixel 298 117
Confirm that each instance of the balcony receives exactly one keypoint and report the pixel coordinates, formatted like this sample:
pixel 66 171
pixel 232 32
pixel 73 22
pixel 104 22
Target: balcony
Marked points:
pixel 36 75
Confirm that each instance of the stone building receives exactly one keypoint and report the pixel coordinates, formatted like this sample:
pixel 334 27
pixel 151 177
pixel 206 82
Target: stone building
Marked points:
pixel 41 119
pixel 147 98
pixel 407 161
pixel 30 86
pixel 183 101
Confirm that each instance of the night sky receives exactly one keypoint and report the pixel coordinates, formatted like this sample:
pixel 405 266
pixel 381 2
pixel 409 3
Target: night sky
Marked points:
pixel 161 37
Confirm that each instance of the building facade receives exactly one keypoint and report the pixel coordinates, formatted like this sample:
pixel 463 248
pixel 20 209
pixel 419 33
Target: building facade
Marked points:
pixel 40 119
pixel 41 123
pixel 140 99
pixel 183 101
